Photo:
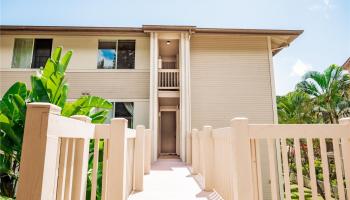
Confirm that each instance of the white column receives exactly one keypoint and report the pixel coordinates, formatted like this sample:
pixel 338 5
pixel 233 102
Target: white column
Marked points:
pixel 153 118
pixel 185 100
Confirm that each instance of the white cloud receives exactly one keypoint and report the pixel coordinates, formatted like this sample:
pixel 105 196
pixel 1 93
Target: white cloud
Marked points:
pixel 323 6
pixel 299 68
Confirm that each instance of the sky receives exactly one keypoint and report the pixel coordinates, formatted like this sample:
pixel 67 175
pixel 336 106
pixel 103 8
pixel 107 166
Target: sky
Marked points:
pixel 326 23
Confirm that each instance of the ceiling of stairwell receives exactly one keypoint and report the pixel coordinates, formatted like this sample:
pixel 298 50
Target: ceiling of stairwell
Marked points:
pixel 168 48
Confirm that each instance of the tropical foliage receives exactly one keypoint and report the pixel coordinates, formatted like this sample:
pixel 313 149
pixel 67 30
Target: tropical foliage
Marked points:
pixel 318 98
pixel 48 85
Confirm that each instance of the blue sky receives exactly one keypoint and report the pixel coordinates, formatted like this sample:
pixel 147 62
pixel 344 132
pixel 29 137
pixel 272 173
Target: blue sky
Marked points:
pixel 326 39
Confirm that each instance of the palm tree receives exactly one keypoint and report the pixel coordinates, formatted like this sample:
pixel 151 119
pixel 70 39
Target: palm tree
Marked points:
pixel 329 92
pixel 295 108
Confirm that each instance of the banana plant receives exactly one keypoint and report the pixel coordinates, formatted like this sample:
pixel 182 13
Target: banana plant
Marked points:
pixel 48 85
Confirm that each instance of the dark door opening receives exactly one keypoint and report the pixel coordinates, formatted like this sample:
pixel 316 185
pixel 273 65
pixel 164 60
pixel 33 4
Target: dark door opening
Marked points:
pixel 168 132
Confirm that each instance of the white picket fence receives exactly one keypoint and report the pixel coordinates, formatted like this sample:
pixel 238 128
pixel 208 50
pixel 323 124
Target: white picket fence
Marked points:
pixel 55 154
pixel 229 162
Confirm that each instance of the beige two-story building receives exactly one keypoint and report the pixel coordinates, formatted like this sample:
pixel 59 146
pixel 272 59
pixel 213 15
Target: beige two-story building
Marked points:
pixel 169 78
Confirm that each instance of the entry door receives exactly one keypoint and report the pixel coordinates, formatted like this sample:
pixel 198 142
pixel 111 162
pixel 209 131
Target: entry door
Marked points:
pixel 168 131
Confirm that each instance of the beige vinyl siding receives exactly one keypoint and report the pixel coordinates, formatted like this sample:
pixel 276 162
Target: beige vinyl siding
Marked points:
pixel 109 85
pixel 6 51
pixel 141 113
pixel 230 77
pixel 85 49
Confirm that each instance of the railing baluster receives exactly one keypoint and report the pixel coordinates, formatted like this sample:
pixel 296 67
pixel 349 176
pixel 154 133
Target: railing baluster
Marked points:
pixel 139 158
pixel 189 148
pixel 70 169
pixel 105 168
pixel 339 170
pixel 311 157
pixel 345 144
pixel 195 152
pixel 169 79
pixel 148 151
pixel 273 168
pixel 117 163
pixel 325 169
pixel 285 169
pixel 208 163
pixel 81 159
pixel 300 176
pixel 62 169
pixel 95 169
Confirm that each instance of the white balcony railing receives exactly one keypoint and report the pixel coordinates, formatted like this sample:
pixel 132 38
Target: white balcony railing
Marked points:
pixel 168 78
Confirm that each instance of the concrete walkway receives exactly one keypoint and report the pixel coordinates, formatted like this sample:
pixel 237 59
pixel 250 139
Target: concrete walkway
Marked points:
pixel 170 179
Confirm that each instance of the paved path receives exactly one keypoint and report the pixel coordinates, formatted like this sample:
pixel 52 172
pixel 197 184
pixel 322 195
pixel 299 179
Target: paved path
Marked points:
pixel 170 179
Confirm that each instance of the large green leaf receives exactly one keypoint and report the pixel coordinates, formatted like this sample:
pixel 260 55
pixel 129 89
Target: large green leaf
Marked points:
pixel 38 93
pixel 48 70
pixel 6 128
pixel 57 54
pixel 62 97
pixel 6 105
pixel 19 104
pixel 64 61
pixel 4 119
pixel 83 105
pixel 99 117
pixel 17 88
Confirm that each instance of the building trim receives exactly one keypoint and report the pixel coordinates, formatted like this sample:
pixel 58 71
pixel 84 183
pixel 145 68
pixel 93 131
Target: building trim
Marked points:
pixel 8 29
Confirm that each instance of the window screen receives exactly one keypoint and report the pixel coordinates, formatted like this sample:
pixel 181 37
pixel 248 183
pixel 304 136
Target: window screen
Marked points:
pixel 126 54
pixel 41 52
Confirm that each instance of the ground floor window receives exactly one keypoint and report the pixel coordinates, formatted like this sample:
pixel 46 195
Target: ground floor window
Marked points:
pixel 125 110
pixel 122 110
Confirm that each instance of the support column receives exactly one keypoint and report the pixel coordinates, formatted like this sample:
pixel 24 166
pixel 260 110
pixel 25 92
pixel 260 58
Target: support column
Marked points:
pixel 185 100
pixel 153 118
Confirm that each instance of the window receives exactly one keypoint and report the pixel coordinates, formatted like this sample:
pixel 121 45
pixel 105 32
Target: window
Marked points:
pixel 126 54
pixel 116 55
pixel 41 52
pixel 22 53
pixel 125 110
pixel 31 53
pixel 106 55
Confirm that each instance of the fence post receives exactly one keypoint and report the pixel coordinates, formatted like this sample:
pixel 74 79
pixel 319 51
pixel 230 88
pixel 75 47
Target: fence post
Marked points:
pixel 208 158
pixel 345 144
pixel 40 150
pixel 148 150
pixel 242 164
pixel 195 152
pixel 80 163
pixel 189 148
pixel 117 155
pixel 139 158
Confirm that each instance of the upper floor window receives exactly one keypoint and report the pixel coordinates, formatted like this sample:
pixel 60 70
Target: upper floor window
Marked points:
pixel 41 52
pixel 116 55
pixel 31 53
